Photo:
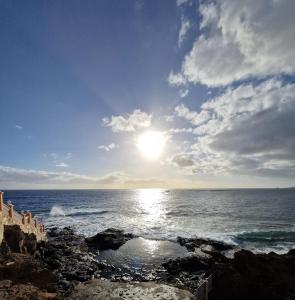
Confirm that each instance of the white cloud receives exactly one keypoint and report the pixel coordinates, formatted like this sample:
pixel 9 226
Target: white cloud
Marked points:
pixel 250 131
pixel 183 160
pixel 137 119
pixel 19 127
pixel 169 118
pixel 176 79
pixel 181 2
pixel 183 93
pixel 180 130
pixel 194 117
pixel 62 165
pixel 13 177
pixel 241 39
pixel 59 159
pixel 109 147
pixel 184 28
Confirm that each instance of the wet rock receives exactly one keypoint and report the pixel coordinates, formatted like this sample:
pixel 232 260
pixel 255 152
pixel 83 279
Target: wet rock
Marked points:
pixel 190 263
pixel 109 239
pixel 66 254
pixel 106 290
pixel 215 246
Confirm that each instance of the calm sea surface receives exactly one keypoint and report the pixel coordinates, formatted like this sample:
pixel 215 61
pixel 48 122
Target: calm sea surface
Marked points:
pixel 262 219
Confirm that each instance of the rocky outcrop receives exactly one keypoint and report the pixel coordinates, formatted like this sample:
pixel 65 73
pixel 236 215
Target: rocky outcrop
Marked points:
pixel 14 237
pixel 106 290
pixel 67 255
pixel 255 276
pixel 66 265
pixel 204 253
pixel 18 241
pixel 206 245
pixel 23 277
pixel 109 239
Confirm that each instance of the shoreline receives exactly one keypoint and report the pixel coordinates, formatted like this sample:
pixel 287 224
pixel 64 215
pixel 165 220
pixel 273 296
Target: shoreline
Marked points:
pixel 70 260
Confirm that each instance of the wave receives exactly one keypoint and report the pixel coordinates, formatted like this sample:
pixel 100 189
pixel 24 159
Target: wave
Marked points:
pixel 267 237
pixel 87 213
pixel 56 211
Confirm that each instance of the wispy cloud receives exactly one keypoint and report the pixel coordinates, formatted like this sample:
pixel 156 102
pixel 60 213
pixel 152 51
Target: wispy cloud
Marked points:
pixel 58 160
pixel 137 119
pixel 184 28
pixel 109 147
pixel 181 2
pixel 19 127
pixel 33 178
pixel 62 165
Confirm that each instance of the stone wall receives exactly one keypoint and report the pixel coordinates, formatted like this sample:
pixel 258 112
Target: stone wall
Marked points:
pixel 28 224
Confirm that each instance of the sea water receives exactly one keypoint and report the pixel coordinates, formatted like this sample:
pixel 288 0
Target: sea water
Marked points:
pixel 260 219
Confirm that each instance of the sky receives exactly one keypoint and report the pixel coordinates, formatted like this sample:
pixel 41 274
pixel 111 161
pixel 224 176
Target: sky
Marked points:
pixel 83 82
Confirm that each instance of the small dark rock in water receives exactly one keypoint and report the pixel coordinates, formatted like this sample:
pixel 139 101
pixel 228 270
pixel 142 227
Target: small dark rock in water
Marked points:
pixel 204 254
pixel 192 243
pixel 109 239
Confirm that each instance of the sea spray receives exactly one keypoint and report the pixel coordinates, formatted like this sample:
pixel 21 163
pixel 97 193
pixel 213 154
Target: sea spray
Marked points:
pixel 56 211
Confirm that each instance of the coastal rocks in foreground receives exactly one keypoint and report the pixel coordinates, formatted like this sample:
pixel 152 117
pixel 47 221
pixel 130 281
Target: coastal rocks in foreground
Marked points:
pixel 67 255
pixel 106 290
pixel 71 257
pixel 18 241
pixel 24 277
pixel 256 277
pixel 109 239
pixel 204 253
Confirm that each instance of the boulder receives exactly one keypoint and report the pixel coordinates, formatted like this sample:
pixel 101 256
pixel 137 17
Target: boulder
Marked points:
pixel 109 239
pixel 14 238
pixel 107 290
pixel 192 262
pixel 30 243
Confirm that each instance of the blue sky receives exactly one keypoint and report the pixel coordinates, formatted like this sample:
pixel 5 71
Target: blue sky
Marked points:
pixel 82 80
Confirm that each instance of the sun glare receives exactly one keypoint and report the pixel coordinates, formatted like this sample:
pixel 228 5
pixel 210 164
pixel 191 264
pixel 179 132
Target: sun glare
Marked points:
pixel 151 144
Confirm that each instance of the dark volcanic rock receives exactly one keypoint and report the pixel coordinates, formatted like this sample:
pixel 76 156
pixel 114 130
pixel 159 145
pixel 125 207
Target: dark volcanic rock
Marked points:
pixel 14 237
pixel 109 239
pixel 189 263
pixel 23 277
pixel 30 243
pixel 255 276
pixel 67 255
pixel 204 254
pixel 192 243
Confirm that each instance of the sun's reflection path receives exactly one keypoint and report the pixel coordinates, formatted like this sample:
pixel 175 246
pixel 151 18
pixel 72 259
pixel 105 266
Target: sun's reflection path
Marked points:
pixel 151 204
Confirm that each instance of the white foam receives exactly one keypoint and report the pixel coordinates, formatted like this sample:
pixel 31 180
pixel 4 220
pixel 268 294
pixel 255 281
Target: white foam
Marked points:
pixel 56 211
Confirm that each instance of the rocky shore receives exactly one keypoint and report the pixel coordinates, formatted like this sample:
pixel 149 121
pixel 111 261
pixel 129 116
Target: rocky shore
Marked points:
pixel 67 267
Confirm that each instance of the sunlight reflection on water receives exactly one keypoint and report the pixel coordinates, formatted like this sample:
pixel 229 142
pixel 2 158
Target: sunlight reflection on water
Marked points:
pixel 151 203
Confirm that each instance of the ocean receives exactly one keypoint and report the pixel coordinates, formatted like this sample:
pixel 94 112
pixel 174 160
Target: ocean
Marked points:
pixel 258 219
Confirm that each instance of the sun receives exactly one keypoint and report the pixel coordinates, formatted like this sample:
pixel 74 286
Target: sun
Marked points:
pixel 151 144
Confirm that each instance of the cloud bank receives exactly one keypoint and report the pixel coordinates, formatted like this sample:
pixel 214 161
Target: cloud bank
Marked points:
pixel 248 129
